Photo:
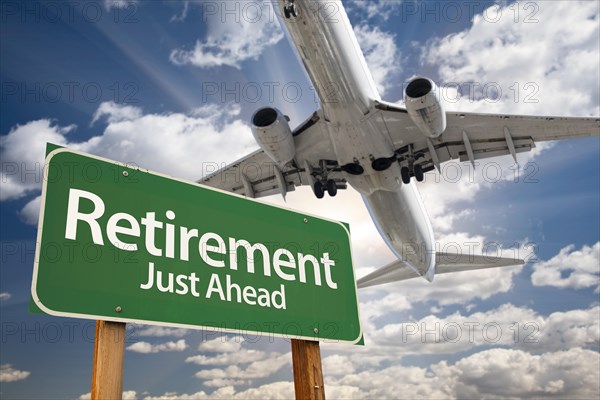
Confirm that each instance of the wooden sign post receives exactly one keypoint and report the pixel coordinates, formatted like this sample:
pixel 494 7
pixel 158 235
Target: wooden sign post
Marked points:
pixel 109 350
pixel 308 372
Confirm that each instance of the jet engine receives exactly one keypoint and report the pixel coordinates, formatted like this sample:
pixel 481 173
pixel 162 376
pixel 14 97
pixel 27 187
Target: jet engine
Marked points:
pixel 273 134
pixel 423 103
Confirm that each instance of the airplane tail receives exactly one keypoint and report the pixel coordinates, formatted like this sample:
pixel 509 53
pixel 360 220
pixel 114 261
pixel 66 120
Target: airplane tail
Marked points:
pixel 444 263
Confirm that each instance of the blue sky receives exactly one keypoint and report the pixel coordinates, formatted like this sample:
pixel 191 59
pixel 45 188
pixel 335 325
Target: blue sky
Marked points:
pixel 166 84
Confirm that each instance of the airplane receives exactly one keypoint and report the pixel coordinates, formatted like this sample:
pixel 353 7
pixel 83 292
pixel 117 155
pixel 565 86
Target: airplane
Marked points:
pixel 377 147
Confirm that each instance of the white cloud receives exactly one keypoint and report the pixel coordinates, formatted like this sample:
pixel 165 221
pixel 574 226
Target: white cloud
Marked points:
pixel 459 182
pixel 494 373
pixel 367 9
pixel 337 365
pixel 176 144
pixel 119 4
pixel 255 370
pixel 270 391
pixel 241 356
pixel 234 39
pixel 31 212
pixel 573 374
pixel 222 344
pixel 22 155
pixel 381 54
pixel 562 69
pixel 116 112
pixel 507 325
pixel 570 268
pixel 127 395
pixel 224 382
pixel 4 296
pixel 182 15
pixel 145 347
pixel 158 331
pixel 9 374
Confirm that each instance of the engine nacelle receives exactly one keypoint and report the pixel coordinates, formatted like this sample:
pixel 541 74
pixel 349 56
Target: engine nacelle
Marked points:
pixel 423 103
pixel 273 134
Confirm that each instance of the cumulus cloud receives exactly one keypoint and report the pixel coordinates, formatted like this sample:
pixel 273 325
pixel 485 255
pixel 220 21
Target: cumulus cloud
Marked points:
pixel 222 344
pixel 381 54
pixel 507 325
pixel 9 374
pixel 337 365
pixel 31 212
pixel 235 39
pixel 448 193
pixel 4 296
pixel 494 373
pixel 176 144
pixel 242 356
pixel 558 374
pixel 114 112
pixel 127 395
pixel 562 69
pixel 270 391
pixel 145 347
pixel 255 370
pixel 158 331
pixel 22 155
pixel 570 268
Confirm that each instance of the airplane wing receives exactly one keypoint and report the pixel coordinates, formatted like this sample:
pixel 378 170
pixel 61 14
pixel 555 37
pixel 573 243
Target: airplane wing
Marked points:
pixel 256 175
pixel 468 137
pixel 472 136
pixel 444 263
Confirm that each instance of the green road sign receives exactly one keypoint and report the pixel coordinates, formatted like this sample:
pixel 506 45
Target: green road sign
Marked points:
pixel 124 244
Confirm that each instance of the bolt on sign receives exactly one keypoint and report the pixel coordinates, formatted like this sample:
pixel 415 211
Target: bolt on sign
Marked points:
pixel 124 244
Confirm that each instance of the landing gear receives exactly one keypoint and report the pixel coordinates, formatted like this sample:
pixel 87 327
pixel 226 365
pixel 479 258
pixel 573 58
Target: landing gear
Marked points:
pixel 405 173
pixel 319 190
pixel 290 10
pixel 331 188
pixel 408 158
pixel 418 171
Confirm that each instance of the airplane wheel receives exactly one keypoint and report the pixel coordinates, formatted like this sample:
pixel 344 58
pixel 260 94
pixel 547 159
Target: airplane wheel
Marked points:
pixel 419 173
pixel 405 173
pixel 286 12
pixel 293 10
pixel 319 190
pixel 331 188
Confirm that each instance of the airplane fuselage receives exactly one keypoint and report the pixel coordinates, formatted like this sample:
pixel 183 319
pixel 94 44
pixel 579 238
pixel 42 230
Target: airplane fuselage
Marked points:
pixel 329 50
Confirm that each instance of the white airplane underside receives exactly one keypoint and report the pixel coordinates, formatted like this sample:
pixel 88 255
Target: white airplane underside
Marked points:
pixel 376 147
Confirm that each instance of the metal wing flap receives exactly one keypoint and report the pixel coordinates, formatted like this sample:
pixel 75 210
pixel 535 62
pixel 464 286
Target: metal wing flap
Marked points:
pixel 255 175
pixel 489 126
pixel 472 136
